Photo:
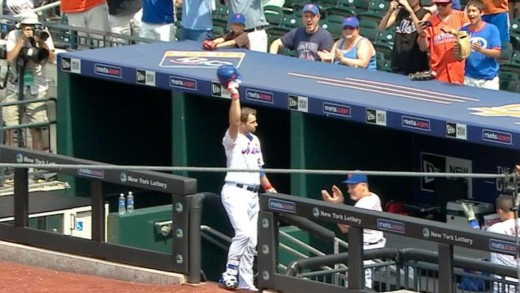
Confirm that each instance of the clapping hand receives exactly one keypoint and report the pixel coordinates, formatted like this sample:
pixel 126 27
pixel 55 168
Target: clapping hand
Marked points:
pixel 337 195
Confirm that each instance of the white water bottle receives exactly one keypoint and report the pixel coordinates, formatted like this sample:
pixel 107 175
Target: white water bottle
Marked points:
pixel 130 202
pixel 122 204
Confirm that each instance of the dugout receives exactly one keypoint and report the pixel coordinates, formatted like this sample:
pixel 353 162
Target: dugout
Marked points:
pixel 161 104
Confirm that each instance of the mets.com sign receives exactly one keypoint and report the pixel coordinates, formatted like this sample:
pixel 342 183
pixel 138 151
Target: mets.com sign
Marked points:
pixel 196 59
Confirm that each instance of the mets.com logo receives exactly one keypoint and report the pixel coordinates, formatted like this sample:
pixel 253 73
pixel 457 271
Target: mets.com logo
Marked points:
pixel 108 70
pixel 337 109
pixel 497 136
pixel 259 96
pixel 183 83
pixel 502 246
pixel 93 173
pixel 416 123
pixel 389 225
pixel 282 205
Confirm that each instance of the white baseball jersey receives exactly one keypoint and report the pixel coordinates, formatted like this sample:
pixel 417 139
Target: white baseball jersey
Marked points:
pixel 243 153
pixel 507 228
pixel 370 202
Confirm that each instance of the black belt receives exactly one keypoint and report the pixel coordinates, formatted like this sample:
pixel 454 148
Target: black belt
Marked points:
pixel 258 28
pixel 252 188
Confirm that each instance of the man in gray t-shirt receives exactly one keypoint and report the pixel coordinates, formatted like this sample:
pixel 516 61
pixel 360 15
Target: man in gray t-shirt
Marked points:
pixel 309 41
pixel 255 21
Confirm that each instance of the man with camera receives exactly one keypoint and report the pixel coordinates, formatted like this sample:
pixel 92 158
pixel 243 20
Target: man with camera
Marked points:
pixel 29 48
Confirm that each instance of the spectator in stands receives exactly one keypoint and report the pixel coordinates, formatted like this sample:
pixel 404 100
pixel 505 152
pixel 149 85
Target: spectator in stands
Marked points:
pixel 359 192
pixel 89 14
pixel 437 38
pixel 497 12
pixel 508 225
pixel 481 66
pixel 124 17
pixel 34 78
pixel 406 57
pixel 311 41
pixel 197 21
pixel 235 38
pixel 352 49
pixel 255 21
pixel 158 20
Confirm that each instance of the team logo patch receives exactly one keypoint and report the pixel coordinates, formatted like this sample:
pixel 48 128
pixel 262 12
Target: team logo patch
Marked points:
pixel 145 77
pixel 298 103
pixel 337 109
pixel 456 130
pixel 497 136
pixel 196 59
pixel 377 117
pixel 108 70
pixel 183 83
pixel 416 123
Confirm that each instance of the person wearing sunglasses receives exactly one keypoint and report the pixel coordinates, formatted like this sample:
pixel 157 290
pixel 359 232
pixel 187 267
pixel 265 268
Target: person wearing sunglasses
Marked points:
pixel 438 40
pixel 352 49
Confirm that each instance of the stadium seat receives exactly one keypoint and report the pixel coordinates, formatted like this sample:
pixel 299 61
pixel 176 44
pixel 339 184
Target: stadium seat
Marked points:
pixel 384 48
pixel 513 65
pixel 218 31
pixel 510 86
pixel 380 56
pixel 376 10
pixel 359 6
pixel 343 11
pixel 368 29
pixel 387 36
pixel 220 22
pixel 221 11
pixel 514 32
pixel 505 53
pixel 334 24
pixel 384 65
pixel 273 15
pixel 290 21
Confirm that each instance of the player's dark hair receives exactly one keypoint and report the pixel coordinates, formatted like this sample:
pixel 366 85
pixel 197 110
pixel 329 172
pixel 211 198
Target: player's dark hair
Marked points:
pixel 477 3
pixel 504 202
pixel 245 112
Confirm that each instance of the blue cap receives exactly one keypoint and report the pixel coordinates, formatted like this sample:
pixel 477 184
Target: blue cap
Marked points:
pixel 356 178
pixel 237 18
pixel 351 21
pixel 311 8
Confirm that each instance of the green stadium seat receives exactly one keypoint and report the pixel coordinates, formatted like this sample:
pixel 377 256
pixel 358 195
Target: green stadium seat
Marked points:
pixel 221 11
pixel 380 56
pixel 368 29
pixel 505 53
pixel 387 36
pixel 384 48
pixel 333 24
pixel 384 65
pixel 505 75
pixel 340 11
pixel 514 32
pixel 513 65
pixel 376 10
pixel 510 86
pixel 220 22
pixel 274 15
pixel 359 6
pixel 291 21
pixel 218 31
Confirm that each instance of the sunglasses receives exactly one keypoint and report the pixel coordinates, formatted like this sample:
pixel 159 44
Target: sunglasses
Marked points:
pixel 442 4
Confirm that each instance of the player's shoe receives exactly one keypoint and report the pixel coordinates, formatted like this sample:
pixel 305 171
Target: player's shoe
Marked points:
pixel 229 281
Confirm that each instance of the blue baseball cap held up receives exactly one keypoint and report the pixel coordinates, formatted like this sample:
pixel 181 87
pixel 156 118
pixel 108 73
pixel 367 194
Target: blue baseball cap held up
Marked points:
pixel 311 8
pixel 356 178
pixel 237 18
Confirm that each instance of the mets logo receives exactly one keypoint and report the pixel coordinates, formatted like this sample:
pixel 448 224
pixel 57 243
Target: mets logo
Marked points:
pixel 196 59
pixel 511 110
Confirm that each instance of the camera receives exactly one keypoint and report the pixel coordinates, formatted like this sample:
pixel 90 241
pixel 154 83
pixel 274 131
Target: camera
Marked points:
pixel 41 33
pixel 30 52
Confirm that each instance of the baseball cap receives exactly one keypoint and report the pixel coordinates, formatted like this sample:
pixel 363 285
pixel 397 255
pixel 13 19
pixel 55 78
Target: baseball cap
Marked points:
pixel 351 21
pixel 355 178
pixel 311 8
pixel 441 1
pixel 29 17
pixel 237 18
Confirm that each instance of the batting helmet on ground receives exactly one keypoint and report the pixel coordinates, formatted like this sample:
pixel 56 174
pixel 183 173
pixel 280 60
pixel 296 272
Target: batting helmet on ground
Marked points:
pixel 226 74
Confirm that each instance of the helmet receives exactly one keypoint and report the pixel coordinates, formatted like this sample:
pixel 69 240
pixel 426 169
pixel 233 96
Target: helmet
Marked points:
pixel 227 73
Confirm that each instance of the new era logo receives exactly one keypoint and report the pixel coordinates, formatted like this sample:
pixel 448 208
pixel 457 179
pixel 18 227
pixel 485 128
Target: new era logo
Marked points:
pixel 456 130
pixel 298 103
pixel 140 76
pixel 66 64
pixel 377 117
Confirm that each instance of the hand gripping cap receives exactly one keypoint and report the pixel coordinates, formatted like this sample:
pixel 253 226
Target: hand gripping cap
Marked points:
pixel 227 73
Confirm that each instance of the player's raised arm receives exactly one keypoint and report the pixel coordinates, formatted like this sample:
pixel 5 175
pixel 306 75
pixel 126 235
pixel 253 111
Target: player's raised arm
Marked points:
pixel 228 76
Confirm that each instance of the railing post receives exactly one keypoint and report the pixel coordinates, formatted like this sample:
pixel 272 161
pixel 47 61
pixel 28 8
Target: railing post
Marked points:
pixel 356 272
pixel 98 211
pixel 21 197
pixel 267 249
pixel 445 268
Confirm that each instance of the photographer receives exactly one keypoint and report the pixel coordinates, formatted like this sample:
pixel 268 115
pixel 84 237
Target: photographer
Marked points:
pixel 29 48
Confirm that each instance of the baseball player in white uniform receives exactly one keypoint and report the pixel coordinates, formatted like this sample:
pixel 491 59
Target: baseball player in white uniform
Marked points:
pixel 507 226
pixel 240 190
pixel 365 199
